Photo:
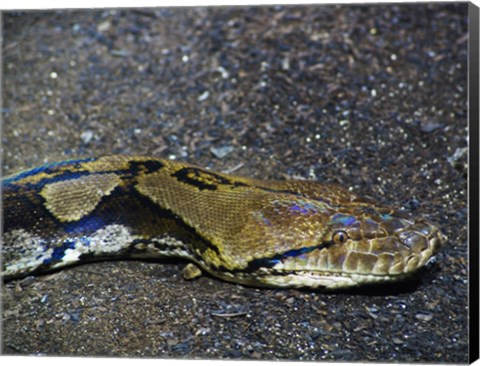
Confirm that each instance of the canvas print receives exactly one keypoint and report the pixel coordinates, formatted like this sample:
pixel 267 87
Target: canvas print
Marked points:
pixel 251 183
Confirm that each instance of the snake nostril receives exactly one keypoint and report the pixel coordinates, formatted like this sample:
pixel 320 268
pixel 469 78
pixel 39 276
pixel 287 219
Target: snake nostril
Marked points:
pixel 413 240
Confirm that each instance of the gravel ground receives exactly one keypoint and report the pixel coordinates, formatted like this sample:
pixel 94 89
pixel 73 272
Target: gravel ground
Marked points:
pixel 371 96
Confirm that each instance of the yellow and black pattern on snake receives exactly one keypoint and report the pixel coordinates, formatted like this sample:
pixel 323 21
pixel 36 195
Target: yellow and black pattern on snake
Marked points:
pixel 266 233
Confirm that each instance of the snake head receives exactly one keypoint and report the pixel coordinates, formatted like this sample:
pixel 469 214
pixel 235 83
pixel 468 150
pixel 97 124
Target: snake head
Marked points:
pixel 319 245
pixel 381 245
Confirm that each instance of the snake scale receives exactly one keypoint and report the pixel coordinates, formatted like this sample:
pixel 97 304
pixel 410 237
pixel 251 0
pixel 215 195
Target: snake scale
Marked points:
pixel 290 233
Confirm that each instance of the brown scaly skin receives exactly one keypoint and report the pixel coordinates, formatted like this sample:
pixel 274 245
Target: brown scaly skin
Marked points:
pixel 265 233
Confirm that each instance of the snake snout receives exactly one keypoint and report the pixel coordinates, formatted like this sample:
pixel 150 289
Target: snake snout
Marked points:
pixel 414 241
pixel 422 235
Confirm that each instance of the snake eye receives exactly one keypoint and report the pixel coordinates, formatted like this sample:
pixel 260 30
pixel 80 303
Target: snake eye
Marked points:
pixel 340 237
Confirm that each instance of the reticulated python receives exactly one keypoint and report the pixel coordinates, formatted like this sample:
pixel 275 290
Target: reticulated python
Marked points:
pixel 266 233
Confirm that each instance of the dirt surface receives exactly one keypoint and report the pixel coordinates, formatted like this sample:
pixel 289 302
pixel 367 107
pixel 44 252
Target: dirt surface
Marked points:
pixel 371 97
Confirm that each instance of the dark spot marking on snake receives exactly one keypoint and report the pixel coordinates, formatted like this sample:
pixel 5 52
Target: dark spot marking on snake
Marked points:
pixel 203 179
pixel 59 252
pixel 91 256
pixel 89 223
pixel 146 166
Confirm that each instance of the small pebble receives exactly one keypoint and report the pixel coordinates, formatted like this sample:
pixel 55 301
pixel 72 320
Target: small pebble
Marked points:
pixel 460 153
pixel 104 26
pixel 429 126
pixel 86 136
pixel 222 151
pixel 424 317
pixel 120 53
pixel 203 96
pixel 223 72
pixel 256 355
pixel 397 340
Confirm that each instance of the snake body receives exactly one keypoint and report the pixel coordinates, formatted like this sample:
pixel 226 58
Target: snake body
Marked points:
pixel 264 233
